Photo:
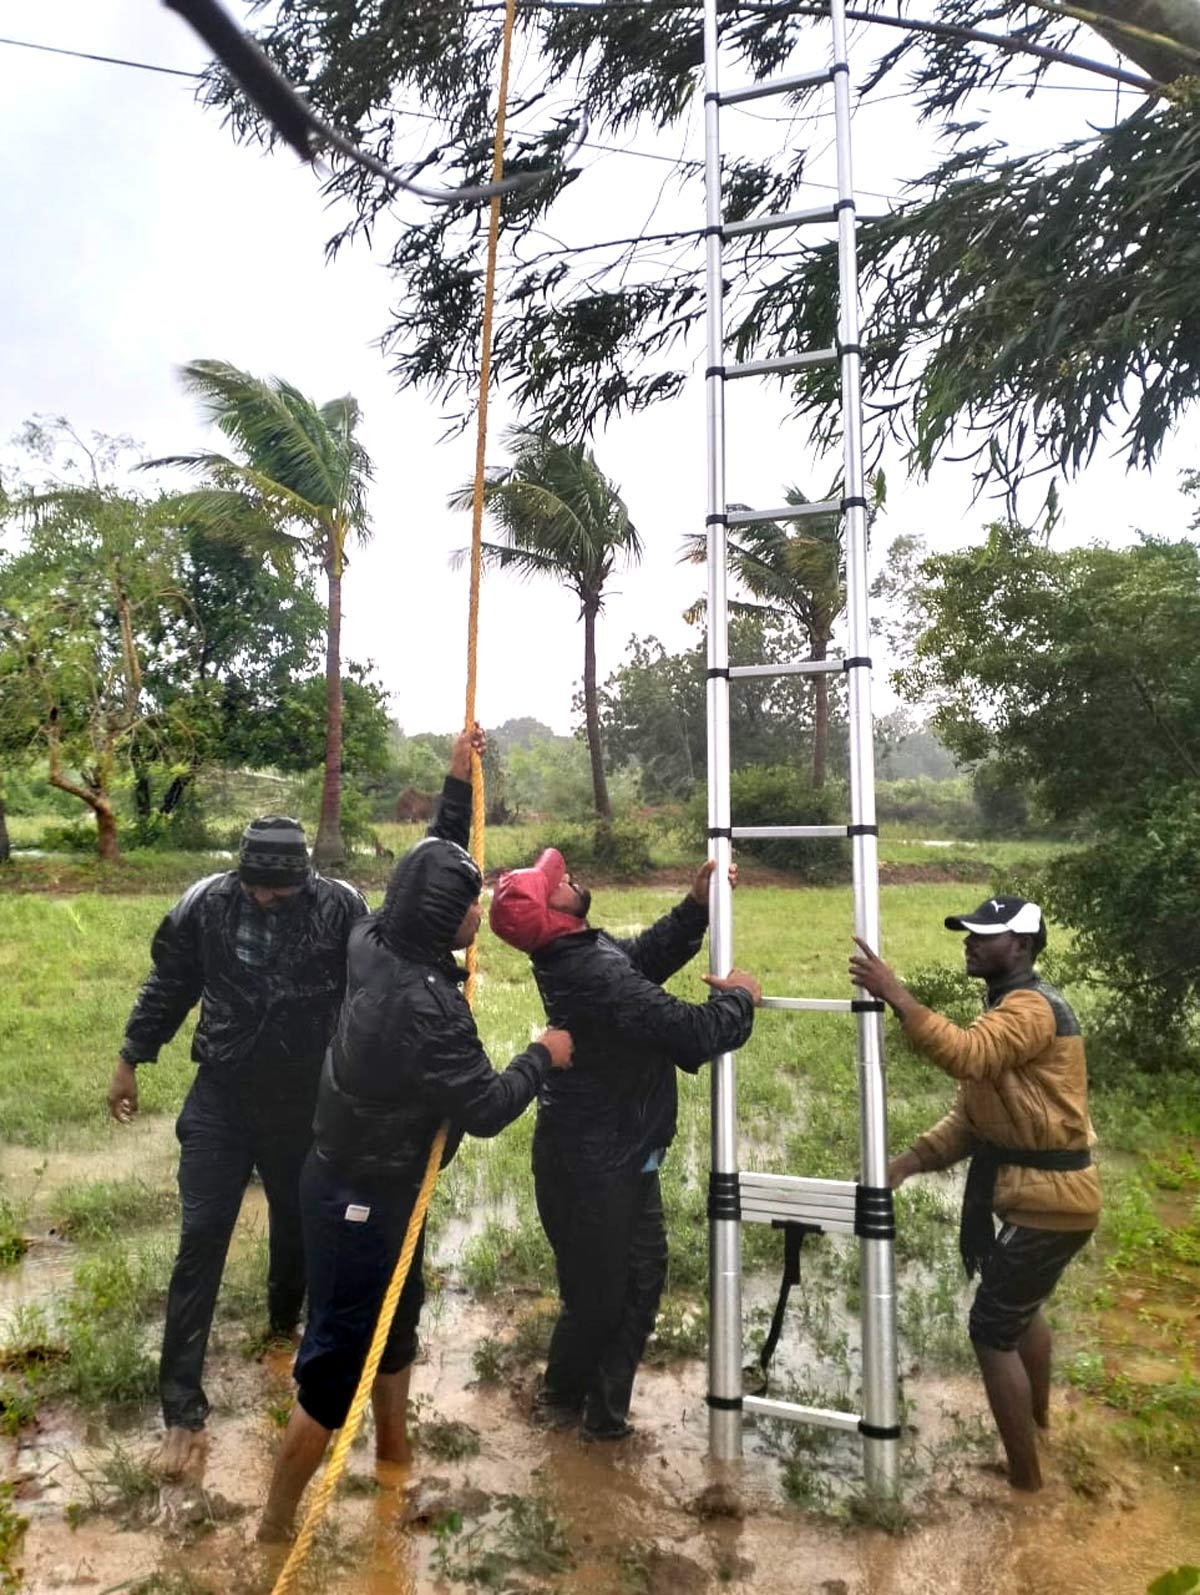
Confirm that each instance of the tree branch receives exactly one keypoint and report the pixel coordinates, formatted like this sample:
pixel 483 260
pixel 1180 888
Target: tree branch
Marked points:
pixel 946 30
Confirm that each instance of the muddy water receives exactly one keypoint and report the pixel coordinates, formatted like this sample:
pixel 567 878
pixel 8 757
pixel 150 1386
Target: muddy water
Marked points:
pixel 638 1517
pixel 634 1514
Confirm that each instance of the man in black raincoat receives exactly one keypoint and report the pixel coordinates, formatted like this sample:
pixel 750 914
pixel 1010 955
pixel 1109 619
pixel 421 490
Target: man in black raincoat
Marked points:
pixel 405 1056
pixel 604 1128
pixel 263 950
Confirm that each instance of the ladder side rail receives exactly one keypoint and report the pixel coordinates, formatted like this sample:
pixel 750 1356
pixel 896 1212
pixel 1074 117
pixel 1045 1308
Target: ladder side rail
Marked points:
pixel 725 1262
pixel 880 1405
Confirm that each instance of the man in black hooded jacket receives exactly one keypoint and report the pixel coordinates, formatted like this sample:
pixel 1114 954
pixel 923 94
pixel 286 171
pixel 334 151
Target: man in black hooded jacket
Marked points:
pixel 604 1129
pixel 406 1057
pixel 263 950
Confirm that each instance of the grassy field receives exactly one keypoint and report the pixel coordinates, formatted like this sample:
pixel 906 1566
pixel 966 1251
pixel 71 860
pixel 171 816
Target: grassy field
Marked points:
pixel 70 967
pixel 905 853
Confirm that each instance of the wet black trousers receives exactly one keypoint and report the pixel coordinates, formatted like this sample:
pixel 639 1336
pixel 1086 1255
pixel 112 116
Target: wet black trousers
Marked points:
pixel 224 1135
pixel 610 1251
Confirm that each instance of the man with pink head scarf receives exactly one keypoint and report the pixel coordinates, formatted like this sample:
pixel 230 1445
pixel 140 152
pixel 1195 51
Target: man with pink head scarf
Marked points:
pixel 604 1126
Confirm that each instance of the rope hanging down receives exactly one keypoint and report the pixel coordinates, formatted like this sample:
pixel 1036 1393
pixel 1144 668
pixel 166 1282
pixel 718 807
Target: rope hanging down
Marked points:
pixel 341 1450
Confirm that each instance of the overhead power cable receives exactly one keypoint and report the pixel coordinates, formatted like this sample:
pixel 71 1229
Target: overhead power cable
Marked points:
pixel 109 60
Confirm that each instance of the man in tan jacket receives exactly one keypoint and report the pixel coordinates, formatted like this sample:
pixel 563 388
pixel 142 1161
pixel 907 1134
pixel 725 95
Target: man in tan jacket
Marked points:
pixel 1021 1115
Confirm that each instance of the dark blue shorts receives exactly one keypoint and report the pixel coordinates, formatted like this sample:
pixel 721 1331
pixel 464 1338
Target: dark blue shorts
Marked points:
pixel 353 1232
pixel 1018 1277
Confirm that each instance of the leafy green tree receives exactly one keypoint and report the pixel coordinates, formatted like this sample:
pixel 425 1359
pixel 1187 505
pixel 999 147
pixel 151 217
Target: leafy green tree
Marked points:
pixel 560 516
pixel 794 574
pixel 654 707
pixel 297 492
pixel 1080 671
pixel 95 572
pixel 974 346
pixel 652 711
pixel 550 776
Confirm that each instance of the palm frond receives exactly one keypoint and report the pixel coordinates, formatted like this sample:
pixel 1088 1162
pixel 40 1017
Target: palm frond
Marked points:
pixel 557 513
pixel 284 436
pixel 793 571
pixel 501 556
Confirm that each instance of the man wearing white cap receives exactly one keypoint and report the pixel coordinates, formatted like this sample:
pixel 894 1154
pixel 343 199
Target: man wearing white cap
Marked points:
pixel 1021 1115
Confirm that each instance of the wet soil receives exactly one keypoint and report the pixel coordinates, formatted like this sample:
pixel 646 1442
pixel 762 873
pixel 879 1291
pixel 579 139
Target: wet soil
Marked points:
pixel 648 1515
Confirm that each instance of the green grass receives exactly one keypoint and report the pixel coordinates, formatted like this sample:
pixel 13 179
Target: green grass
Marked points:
pixel 12 1532
pixel 104 1209
pixel 70 967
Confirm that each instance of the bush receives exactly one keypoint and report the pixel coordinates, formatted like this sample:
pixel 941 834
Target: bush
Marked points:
pixel 945 806
pixel 782 795
pixel 619 849
pixel 1002 805
pixel 79 837
pixel 947 990
pixel 1133 900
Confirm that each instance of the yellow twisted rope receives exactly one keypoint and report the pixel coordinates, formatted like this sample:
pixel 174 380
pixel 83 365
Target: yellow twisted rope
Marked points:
pixel 485 382
pixel 341 1449
pixel 341 1446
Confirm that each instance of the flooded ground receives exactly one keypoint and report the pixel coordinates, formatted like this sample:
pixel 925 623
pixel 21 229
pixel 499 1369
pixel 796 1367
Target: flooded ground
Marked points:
pixel 492 1502
pixel 543 1511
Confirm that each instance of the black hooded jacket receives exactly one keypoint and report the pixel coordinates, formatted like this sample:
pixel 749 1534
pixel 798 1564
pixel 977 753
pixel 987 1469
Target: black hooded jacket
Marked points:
pixel 265 1027
pixel 617 1103
pixel 406 1054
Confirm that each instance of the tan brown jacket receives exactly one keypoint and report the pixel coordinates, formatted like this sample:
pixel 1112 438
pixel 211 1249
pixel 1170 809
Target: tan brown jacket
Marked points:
pixel 1022 1080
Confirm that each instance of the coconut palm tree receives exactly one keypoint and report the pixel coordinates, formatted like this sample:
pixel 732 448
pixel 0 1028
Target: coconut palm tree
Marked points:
pixel 294 489
pixel 792 572
pixel 560 516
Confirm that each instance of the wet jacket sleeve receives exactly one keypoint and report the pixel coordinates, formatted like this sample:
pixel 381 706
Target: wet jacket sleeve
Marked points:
pixel 948 1142
pixel 452 822
pixel 462 1084
pixel 668 944
pixel 1017 1030
pixel 172 987
pixel 690 1033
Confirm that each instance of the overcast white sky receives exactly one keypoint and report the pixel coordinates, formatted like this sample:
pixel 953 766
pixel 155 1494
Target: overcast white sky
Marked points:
pixel 137 235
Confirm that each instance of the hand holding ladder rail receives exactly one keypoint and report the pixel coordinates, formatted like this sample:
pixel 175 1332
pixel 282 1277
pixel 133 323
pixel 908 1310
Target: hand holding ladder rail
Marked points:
pixel 863 1207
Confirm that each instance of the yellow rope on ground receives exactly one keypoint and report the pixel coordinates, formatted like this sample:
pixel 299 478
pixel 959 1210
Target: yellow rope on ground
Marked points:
pixel 341 1449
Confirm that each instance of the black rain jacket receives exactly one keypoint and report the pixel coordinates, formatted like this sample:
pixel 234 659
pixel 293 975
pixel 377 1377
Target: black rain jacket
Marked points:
pixel 617 1103
pixel 406 1054
pixel 267 1028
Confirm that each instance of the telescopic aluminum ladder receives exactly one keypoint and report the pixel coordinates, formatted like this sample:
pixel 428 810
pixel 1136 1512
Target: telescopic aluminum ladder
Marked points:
pixel 862 1208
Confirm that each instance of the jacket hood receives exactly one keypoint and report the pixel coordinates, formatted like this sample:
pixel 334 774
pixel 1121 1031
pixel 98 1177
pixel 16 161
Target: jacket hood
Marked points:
pixel 521 914
pixel 431 889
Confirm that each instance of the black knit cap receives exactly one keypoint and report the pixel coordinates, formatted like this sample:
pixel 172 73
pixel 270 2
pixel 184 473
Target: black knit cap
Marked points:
pixel 273 852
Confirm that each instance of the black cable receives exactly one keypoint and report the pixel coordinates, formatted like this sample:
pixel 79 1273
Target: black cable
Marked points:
pixel 109 60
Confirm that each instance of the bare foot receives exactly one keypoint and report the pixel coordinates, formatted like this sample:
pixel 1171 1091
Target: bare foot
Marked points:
pixel 272 1532
pixel 392 1474
pixel 182 1454
pixel 1027 1483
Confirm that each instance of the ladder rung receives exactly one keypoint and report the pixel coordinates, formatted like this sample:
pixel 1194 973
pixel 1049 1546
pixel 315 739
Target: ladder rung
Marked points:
pixel 752 1180
pixel 787 833
pixel 832 1222
pixel 792 1412
pixel 789 512
pixel 837 1218
pixel 783 218
pixel 759 91
pixel 808 1004
pixel 805 667
pixel 780 365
